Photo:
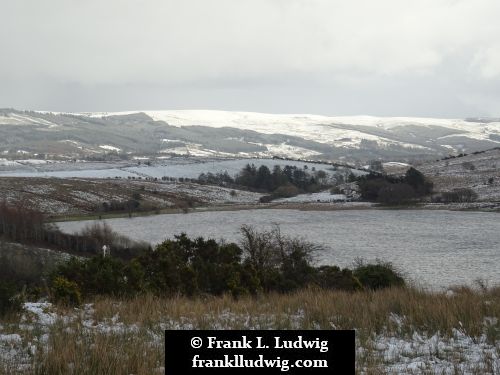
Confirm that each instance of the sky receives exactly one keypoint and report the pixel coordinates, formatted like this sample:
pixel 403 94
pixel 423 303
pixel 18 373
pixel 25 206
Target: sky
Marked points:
pixel 427 58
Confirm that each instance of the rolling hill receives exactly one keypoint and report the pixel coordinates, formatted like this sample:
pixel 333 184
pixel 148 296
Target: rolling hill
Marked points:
pixel 240 134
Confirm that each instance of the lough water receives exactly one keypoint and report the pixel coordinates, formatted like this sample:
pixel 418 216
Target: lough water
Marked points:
pixel 433 248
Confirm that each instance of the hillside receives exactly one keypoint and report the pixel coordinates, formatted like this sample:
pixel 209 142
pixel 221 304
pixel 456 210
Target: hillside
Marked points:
pixel 479 172
pixel 242 134
pixel 83 196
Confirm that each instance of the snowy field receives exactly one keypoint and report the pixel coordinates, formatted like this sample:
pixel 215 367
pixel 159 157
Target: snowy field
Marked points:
pixel 392 353
pixel 322 196
pixel 187 168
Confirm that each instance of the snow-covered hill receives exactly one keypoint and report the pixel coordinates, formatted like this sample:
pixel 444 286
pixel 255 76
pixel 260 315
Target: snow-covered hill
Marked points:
pixel 222 133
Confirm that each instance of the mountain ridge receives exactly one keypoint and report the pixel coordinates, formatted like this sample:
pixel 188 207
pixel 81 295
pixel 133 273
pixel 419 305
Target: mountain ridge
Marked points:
pixel 237 134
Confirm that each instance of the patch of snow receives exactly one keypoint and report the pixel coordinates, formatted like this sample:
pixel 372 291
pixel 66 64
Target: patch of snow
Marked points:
pixel 6 162
pixel 41 312
pixel 110 148
pixel 324 196
pixel 289 151
pixel 171 140
pixel 13 338
pixel 395 164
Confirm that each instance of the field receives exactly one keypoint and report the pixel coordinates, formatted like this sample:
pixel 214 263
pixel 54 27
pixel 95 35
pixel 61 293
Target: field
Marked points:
pixel 479 172
pixel 71 196
pixel 452 331
pixel 398 331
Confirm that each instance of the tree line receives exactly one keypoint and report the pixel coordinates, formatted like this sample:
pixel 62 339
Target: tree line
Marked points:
pixel 284 181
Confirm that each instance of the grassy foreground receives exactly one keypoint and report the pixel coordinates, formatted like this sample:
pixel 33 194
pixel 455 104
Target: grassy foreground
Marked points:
pixel 399 331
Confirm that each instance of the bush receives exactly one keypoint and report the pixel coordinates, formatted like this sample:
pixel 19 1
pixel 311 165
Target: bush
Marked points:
pixel 464 195
pixel 331 277
pixel 370 187
pixel 286 191
pixel 196 266
pixel 8 298
pixel 394 190
pixel 281 263
pixel 378 276
pixel 418 182
pixel 65 291
pixel 396 194
pixel 467 165
pixel 95 276
pixel 266 199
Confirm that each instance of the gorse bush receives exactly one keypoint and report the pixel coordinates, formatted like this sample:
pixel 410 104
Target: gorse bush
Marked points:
pixel 196 266
pixel 378 276
pixel 66 292
pixel 266 261
pixel 332 277
pixel 97 275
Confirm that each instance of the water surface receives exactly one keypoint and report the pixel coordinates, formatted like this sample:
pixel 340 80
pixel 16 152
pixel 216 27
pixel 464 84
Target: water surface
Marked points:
pixel 433 248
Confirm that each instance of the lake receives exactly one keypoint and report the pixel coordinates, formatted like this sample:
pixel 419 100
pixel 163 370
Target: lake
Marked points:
pixel 433 248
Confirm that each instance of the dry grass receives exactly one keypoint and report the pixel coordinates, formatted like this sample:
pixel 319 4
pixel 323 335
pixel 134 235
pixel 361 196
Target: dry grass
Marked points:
pixel 126 336
pixel 366 311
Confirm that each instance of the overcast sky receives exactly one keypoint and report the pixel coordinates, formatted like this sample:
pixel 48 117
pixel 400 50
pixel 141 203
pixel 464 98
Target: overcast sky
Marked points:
pixel 436 58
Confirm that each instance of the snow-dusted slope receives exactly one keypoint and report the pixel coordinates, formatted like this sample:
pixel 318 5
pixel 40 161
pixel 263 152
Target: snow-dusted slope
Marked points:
pixel 323 129
pixel 308 124
pixel 208 133
pixel 252 119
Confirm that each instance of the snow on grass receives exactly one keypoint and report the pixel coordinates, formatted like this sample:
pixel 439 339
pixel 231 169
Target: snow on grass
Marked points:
pixel 390 352
pixel 17 119
pixel 40 312
pixel 6 162
pixel 84 173
pixel 421 354
pixel 285 150
pixel 395 164
pixel 323 196
pixel 110 148
pixel 319 128
pixel 210 193
pixel 232 167
pixel 178 167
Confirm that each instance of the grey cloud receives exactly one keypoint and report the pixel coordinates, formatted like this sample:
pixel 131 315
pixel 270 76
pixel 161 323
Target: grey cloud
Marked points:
pixel 387 57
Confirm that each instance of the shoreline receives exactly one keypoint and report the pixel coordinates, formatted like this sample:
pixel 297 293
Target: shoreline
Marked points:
pixel 492 207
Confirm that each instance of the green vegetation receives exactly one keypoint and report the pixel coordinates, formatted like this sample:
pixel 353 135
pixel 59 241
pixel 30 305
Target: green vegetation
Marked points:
pixel 378 276
pixel 390 190
pixel 266 262
pixel 65 292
